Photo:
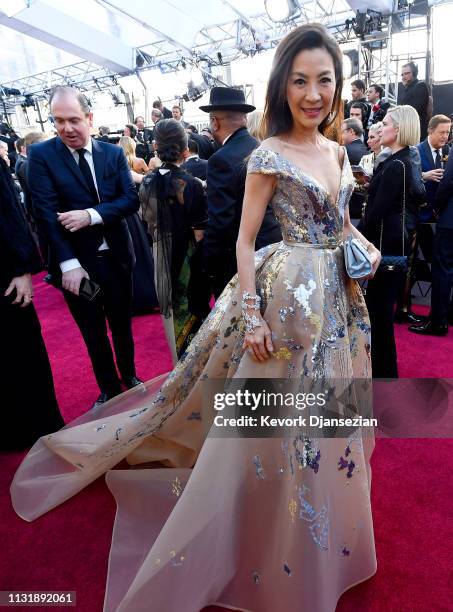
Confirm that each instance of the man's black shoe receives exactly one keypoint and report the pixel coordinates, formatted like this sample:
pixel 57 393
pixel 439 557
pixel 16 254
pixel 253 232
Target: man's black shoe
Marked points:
pixel 408 317
pixel 104 397
pixel 131 382
pixel 429 329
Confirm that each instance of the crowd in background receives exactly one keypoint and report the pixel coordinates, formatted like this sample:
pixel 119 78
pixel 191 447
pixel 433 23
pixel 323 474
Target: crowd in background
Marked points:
pixel 184 191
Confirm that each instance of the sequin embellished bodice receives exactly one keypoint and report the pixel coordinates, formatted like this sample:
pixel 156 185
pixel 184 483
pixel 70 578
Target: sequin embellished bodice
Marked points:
pixel 301 204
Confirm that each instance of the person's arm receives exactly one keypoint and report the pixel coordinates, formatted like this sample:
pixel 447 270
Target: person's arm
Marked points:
pixel 221 193
pixel 445 189
pixel 198 213
pixel 258 193
pixel 375 255
pixel 46 205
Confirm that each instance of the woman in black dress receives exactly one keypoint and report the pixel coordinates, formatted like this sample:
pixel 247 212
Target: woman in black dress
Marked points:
pixel 383 223
pixel 173 204
pixel 29 406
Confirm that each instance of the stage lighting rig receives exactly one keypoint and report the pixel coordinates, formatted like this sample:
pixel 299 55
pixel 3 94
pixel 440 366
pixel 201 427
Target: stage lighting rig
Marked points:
pixel 281 10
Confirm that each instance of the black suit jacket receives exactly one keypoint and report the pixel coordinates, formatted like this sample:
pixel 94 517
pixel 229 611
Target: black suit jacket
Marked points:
pixel 356 150
pixel 416 94
pixel 196 167
pixel 57 185
pixel 227 170
pixel 444 197
pixel 380 112
pixel 206 147
pixel 385 203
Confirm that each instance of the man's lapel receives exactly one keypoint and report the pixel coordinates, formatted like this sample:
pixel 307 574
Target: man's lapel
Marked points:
pixel 99 164
pixel 68 159
pixel 429 155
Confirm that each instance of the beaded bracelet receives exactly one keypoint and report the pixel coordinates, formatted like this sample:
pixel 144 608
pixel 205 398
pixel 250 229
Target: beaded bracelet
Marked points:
pixel 248 296
pixel 251 323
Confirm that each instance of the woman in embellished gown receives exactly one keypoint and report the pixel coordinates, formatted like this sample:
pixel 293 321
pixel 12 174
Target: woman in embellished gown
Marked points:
pixel 255 524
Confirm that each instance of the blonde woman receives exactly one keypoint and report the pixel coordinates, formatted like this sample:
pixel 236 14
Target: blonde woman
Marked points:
pixel 254 124
pixel 137 165
pixel 383 223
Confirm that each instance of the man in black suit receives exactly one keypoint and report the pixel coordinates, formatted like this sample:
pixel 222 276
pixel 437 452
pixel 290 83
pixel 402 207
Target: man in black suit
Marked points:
pixel 379 107
pixel 104 132
pixel 206 146
pixel 166 112
pixel 193 164
pixel 227 169
pixel 82 190
pixel 442 264
pixel 357 95
pixel 351 134
pixel 415 93
pixel 144 134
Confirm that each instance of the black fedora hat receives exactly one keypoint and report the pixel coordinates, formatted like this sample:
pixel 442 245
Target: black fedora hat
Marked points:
pixel 227 98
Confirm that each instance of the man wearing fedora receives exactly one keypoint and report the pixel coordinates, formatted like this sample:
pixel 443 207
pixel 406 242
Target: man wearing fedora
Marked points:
pixel 227 169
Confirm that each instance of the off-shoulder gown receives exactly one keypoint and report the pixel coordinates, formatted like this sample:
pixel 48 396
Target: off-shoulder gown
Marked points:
pixel 263 525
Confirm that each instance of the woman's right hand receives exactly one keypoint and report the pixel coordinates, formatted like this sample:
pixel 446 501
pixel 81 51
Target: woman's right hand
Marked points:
pixel 259 343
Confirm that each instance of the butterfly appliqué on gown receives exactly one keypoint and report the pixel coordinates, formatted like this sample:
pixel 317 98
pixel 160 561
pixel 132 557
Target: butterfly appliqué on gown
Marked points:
pixel 257 524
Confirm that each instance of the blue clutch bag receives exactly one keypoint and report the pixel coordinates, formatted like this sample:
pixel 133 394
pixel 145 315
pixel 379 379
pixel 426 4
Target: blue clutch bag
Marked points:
pixel 357 259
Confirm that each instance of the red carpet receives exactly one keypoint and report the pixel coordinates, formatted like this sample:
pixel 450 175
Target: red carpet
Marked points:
pixel 412 482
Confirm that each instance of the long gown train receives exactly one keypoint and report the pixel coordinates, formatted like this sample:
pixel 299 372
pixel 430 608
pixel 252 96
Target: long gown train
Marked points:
pixel 255 524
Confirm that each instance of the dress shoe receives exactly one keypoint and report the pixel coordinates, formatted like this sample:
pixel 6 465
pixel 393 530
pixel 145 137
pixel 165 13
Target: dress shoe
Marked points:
pixel 131 382
pixel 104 397
pixel 429 329
pixel 402 316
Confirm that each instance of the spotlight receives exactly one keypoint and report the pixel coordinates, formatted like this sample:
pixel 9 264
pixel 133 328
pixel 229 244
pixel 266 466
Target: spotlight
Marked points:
pixel 350 63
pixel 8 91
pixel 29 100
pixel 281 10
pixel 220 58
pixel 183 64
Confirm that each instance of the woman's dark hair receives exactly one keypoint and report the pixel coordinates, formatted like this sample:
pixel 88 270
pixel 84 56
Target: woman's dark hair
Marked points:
pixel 171 140
pixel 277 117
pixel 132 129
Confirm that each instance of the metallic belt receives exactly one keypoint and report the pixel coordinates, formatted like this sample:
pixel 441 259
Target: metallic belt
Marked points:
pixel 309 245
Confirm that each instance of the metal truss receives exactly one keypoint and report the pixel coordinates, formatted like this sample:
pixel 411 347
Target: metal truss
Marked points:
pixel 222 44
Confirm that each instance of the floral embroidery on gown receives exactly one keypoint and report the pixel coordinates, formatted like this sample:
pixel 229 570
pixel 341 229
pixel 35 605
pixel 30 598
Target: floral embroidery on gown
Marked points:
pixel 264 525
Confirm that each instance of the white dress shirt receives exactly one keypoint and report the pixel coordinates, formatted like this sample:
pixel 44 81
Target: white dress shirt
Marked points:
pixel 71 264
pixel 434 151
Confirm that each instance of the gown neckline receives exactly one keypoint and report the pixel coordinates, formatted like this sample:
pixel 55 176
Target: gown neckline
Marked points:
pixel 312 178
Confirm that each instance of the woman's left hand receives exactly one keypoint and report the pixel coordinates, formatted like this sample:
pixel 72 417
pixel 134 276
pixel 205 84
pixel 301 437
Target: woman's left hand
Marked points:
pixel 375 258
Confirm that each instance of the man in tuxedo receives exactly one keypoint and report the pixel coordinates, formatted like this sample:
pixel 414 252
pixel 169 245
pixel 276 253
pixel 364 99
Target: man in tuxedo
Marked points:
pixel 194 165
pixel 82 191
pixel 442 264
pixel 415 93
pixel 379 108
pixel 143 133
pixel 351 136
pixel 227 169
pixel 432 151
